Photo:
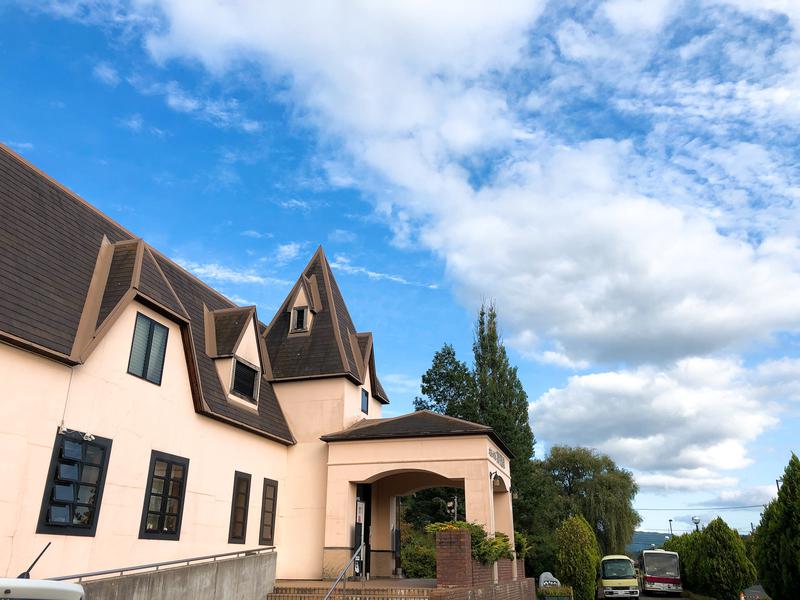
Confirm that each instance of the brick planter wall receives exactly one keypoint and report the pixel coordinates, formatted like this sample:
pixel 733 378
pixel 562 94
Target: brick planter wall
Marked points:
pixel 505 570
pixel 482 574
pixel 524 589
pixel 520 569
pixel 453 559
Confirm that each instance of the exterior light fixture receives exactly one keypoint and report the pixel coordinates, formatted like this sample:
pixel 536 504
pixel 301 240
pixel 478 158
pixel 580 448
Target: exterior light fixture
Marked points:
pixel 696 521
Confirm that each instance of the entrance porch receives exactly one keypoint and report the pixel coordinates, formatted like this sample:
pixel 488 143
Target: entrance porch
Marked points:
pixel 373 463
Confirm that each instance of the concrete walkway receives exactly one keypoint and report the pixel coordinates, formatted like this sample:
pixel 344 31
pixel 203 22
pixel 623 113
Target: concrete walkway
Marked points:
pixel 377 583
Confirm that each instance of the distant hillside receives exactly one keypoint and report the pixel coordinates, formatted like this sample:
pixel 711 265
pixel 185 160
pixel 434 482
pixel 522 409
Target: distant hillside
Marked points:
pixel 642 541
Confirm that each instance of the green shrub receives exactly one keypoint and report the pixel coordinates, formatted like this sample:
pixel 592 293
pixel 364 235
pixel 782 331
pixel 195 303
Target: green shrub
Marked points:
pixel 418 555
pixel 522 545
pixel 485 549
pixel 577 557
pixel 723 568
pixel 777 539
pixel 549 592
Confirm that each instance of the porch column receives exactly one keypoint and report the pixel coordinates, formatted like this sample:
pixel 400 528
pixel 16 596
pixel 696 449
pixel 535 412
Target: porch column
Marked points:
pixel 381 563
pixel 340 517
pixel 478 498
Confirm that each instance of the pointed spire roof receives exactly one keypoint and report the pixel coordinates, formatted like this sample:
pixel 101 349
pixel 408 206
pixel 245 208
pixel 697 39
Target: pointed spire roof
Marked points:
pixel 332 346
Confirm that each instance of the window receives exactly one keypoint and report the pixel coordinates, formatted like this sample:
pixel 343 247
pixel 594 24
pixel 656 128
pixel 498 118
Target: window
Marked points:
pixel 241 498
pixel 364 401
pixel 148 349
pixel 74 487
pixel 300 318
pixel 245 378
pixel 269 499
pixel 163 499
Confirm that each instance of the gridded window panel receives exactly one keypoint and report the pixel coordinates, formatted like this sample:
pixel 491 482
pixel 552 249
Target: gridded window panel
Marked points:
pixel 148 349
pixel 364 401
pixel 269 501
pixel 244 381
pixel 164 497
pixel 239 506
pixel 300 318
pixel 74 488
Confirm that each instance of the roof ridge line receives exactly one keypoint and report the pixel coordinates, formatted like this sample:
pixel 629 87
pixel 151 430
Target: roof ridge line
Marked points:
pixel 337 334
pixel 166 279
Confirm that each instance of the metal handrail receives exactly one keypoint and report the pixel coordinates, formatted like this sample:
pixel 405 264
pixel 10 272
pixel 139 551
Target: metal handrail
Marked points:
pixel 344 572
pixel 157 566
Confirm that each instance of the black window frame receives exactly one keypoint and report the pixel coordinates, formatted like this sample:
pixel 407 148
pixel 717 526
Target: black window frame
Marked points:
pixel 237 477
pixel 43 525
pixel 256 381
pixel 153 325
pixel 364 401
pixel 295 314
pixel 171 459
pixel 261 539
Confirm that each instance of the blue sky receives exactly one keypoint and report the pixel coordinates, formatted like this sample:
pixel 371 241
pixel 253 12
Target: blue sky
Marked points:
pixel 620 176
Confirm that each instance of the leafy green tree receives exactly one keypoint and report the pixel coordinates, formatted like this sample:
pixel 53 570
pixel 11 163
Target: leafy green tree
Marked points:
pixel 577 557
pixel 722 567
pixel 431 506
pixel 777 538
pixel 448 386
pixel 689 547
pixel 591 484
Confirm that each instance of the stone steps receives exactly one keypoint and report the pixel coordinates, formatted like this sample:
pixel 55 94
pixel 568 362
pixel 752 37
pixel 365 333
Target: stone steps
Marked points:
pixel 354 591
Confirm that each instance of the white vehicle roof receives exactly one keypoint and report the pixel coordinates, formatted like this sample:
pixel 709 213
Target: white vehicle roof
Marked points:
pixel 39 589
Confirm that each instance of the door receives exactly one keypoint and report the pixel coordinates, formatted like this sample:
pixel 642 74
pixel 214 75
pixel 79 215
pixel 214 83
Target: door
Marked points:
pixel 363 520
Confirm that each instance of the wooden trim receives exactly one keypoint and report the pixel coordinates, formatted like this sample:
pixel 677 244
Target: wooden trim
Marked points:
pixel 106 325
pixel 315 297
pixel 166 280
pixel 28 346
pixel 210 330
pixel 354 347
pixel 217 417
pixel 137 264
pixel 200 405
pixel 94 298
pixel 251 319
pixel 337 334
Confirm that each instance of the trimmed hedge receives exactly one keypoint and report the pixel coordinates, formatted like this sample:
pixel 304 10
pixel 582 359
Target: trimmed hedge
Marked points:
pixel 577 557
pixel 714 561
pixel 485 549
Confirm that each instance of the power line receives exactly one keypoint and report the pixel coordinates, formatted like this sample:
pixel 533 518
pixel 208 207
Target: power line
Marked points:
pixel 706 508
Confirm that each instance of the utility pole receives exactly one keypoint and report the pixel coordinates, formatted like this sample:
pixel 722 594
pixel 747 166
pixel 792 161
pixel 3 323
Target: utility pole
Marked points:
pixel 670 528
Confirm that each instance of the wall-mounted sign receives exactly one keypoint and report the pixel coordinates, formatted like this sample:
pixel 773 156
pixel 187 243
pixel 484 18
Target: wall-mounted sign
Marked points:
pixel 360 512
pixel 497 457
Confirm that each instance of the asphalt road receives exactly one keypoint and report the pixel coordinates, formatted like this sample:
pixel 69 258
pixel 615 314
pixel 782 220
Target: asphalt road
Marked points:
pixel 750 593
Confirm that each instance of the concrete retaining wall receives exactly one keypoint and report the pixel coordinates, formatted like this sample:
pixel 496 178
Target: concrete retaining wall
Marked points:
pixel 247 578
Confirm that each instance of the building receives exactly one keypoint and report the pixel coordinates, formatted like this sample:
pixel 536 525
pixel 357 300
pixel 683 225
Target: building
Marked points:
pixel 145 417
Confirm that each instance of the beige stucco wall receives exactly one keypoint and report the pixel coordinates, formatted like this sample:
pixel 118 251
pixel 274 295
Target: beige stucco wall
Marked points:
pixel 138 416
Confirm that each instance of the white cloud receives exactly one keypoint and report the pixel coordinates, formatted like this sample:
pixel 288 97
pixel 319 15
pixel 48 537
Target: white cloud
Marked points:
pixel 679 427
pixel 401 384
pixel 225 113
pixel 295 204
pixel 217 272
pixel 20 147
pixel 341 236
pixel 342 263
pixel 132 122
pixel 106 74
pixel 286 253
pixel 252 233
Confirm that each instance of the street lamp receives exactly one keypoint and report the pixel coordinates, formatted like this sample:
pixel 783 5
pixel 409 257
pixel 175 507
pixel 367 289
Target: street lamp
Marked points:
pixel 670 527
pixel 696 521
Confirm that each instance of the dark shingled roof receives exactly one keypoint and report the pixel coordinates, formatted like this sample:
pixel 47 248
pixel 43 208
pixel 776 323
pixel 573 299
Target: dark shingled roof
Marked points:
pixel 326 349
pixel 228 327
pixel 50 251
pixel 420 424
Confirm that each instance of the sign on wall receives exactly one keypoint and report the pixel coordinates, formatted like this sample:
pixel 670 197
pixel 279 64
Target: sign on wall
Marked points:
pixel 497 457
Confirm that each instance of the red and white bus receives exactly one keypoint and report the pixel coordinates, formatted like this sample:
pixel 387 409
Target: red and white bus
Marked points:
pixel 660 571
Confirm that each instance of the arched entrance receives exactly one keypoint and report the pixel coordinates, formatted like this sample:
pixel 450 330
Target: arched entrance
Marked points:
pixel 365 476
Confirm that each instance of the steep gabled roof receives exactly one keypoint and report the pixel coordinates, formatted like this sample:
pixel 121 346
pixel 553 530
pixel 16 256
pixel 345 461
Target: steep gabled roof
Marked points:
pixel 423 423
pixel 332 346
pixel 229 324
pixel 67 271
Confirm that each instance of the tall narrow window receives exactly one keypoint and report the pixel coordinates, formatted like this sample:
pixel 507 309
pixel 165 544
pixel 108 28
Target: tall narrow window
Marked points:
pixel 148 349
pixel 364 401
pixel 241 498
pixel 300 318
pixel 245 380
pixel 163 499
pixel 75 483
pixel 269 501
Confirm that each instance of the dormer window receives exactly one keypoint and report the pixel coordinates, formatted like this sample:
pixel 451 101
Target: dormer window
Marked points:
pixel 300 319
pixel 245 381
